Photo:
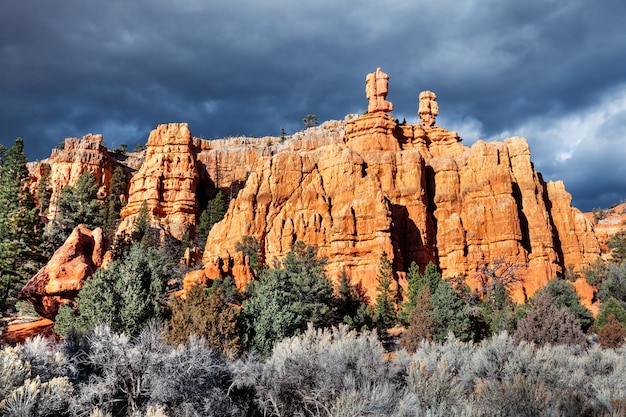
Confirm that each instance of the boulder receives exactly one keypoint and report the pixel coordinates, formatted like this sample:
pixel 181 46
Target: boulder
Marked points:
pixel 59 281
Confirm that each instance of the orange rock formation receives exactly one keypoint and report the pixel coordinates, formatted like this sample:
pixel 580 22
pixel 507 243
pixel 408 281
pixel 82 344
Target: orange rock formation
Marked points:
pixel 63 276
pixel 376 89
pixel 415 192
pixel 77 157
pixel 607 223
pixel 166 181
pixel 355 189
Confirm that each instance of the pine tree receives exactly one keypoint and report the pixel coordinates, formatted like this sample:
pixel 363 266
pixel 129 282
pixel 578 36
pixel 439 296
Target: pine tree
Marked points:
pixel 611 307
pixel 203 228
pixel 205 314
pixel 215 211
pixel 617 244
pixel 310 120
pixel 498 310
pixel 450 314
pixel 141 229
pixel 251 248
pixel 44 192
pixel 127 295
pixel 420 323
pixel 78 204
pixel 384 309
pixel 113 203
pixel 20 226
pixel 349 299
pixel 416 282
pixel 286 298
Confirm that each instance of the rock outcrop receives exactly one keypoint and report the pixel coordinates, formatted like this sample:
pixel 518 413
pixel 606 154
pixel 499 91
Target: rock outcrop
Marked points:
pixel 19 332
pixel 166 181
pixel 66 165
pixel 376 89
pixel 415 192
pixel 354 188
pixel 607 223
pixel 64 275
pixel 428 109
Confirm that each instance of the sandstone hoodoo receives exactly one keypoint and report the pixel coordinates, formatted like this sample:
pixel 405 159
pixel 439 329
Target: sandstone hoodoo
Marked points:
pixel 166 181
pixel 415 192
pixel 354 189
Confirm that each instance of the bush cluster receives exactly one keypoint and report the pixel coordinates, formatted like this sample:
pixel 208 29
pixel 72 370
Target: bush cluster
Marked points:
pixel 331 372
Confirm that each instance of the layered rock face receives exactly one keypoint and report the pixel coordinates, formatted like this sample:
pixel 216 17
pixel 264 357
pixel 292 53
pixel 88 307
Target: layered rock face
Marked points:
pixel 166 181
pixel 67 165
pixel 415 192
pixel 607 223
pixel 355 189
pixel 181 173
pixel 64 275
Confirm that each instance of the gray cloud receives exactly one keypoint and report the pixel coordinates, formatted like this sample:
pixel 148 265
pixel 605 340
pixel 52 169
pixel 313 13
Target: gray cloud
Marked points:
pixel 547 70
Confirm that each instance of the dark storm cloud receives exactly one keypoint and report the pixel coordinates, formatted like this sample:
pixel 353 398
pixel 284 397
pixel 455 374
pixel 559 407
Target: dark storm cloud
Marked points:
pixel 552 71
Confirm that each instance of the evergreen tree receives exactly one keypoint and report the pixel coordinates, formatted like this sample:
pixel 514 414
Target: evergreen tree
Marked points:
pixel 20 226
pixel 416 282
pixel 285 299
pixel 450 314
pixel 78 204
pixel 563 295
pixel 113 203
pixel 349 301
pixel 206 314
pixel 214 212
pixel 141 229
pixel 217 209
pixel 251 248
pixel 310 120
pixel 420 322
pixel 611 307
pixel 614 284
pixel 384 309
pixel 617 243
pixel 203 228
pixel 127 295
pixel 498 310
pixel 44 192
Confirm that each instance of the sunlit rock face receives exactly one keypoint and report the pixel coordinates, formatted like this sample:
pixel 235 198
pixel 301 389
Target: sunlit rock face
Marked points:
pixel 64 275
pixel 353 188
pixel 415 192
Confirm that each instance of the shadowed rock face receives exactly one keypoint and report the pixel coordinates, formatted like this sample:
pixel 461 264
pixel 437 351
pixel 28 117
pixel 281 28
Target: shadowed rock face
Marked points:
pixel 59 281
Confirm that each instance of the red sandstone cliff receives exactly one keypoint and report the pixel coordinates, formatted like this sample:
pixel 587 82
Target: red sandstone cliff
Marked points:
pixel 415 192
pixel 354 188
pixel 607 223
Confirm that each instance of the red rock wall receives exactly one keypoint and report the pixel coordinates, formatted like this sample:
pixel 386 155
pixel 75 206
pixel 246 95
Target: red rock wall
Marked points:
pixel 67 165
pixel 416 193
pixel 166 181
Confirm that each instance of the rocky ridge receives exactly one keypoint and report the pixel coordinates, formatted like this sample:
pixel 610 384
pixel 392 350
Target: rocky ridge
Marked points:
pixel 415 192
pixel 354 188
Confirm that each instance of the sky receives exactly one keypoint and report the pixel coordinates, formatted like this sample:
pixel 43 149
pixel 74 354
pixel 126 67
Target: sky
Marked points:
pixel 551 71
